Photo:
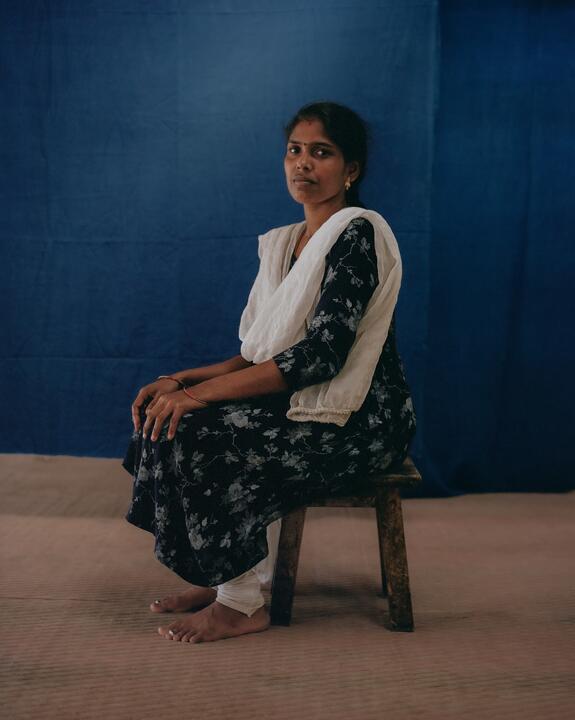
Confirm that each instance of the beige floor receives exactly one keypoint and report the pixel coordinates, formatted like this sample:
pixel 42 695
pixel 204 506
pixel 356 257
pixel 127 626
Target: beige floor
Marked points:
pixel 493 587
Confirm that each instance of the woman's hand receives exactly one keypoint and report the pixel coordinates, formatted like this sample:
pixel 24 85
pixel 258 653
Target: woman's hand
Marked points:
pixel 153 390
pixel 159 410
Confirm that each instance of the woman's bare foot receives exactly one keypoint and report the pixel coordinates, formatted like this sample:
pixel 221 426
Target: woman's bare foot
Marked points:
pixel 195 597
pixel 216 622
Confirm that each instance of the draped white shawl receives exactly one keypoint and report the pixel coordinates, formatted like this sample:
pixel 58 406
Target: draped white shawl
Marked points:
pixel 282 302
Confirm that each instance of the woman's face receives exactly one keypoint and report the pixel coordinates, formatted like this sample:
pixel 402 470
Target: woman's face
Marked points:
pixel 315 168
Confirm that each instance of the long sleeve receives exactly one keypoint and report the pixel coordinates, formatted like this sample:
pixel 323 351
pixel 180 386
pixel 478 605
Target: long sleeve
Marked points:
pixel 349 281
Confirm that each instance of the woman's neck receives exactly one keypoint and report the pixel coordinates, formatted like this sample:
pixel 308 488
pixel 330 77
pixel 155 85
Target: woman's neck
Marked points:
pixel 316 215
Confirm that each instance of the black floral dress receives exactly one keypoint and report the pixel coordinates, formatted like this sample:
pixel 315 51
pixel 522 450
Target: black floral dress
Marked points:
pixel 237 465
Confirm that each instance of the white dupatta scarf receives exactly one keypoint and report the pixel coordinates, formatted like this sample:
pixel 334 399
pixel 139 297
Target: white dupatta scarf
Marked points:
pixel 282 302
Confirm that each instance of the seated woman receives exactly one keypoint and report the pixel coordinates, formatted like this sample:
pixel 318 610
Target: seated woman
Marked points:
pixel 315 403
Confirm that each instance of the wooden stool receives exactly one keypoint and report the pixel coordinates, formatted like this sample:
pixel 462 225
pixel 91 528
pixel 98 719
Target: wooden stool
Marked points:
pixel 392 552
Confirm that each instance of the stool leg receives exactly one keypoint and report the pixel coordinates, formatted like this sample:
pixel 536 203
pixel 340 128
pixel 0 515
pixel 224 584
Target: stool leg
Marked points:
pixel 378 515
pixel 283 583
pixel 394 557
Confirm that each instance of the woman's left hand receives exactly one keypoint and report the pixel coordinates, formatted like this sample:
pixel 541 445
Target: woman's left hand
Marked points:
pixel 159 410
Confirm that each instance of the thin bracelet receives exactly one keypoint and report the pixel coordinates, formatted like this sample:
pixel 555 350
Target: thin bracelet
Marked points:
pixel 169 377
pixel 194 398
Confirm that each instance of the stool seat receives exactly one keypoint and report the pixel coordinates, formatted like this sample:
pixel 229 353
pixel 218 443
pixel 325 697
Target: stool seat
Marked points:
pixel 383 494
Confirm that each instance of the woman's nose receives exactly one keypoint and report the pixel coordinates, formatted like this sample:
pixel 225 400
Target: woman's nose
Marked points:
pixel 303 161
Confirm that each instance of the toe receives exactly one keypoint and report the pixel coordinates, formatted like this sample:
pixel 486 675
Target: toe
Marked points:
pixel 188 636
pixel 166 604
pixel 169 631
pixel 157 606
pixel 176 631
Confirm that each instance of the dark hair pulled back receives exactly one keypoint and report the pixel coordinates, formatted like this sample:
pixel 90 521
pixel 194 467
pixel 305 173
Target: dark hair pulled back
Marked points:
pixel 346 129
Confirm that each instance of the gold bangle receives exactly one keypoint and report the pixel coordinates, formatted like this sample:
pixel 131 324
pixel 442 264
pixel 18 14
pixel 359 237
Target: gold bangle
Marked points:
pixel 169 377
pixel 194 398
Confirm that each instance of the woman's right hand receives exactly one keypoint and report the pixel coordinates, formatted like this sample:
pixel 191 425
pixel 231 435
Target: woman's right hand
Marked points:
pixel 153 390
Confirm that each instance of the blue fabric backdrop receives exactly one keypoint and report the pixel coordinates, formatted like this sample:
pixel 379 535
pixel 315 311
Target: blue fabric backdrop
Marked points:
pixel 501 343
pixel 142 155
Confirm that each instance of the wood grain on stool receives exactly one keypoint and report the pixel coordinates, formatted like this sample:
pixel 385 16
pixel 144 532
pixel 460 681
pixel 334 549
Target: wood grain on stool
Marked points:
pixel 386 500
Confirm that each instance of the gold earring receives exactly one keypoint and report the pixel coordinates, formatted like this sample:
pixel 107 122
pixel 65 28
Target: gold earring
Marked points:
pixel 347 184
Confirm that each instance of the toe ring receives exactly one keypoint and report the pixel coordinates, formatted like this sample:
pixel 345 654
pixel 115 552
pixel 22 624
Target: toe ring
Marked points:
pixel 171 632
pixel 157 602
